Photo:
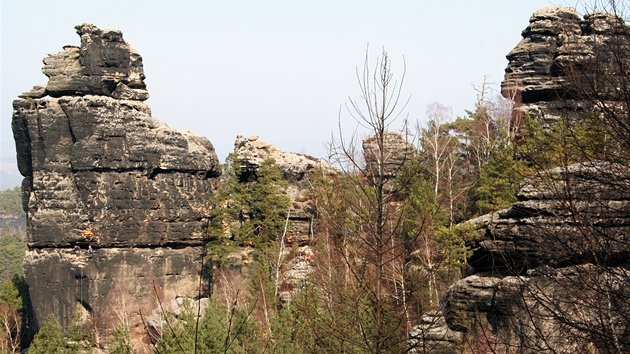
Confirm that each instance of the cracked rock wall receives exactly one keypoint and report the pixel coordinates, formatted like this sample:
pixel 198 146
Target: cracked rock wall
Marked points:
pixel 99 170
pixel 550 274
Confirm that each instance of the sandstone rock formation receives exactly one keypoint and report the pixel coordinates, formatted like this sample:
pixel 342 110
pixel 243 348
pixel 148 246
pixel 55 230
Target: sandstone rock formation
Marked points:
pixel 550 274
pixel 297 169
pixel 395 152
pixel 432 335
pixel 543 228
pixel 563 59
pixel 252 152
pixel 104 64
pixel 99 170
pixel 544 265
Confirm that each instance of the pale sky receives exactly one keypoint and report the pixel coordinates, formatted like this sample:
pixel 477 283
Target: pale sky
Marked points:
pixel 277 69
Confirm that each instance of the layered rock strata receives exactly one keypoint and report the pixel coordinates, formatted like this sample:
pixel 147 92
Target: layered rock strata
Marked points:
pixel 566 216
pixel 564 60
pixel 394 153
pixel 432 335
pixel 558 258
pixel 100 171
pixel 104 64
pixel 550 274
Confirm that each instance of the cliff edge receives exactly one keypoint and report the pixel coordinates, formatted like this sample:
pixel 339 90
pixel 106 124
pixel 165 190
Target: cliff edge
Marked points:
pixel 101 172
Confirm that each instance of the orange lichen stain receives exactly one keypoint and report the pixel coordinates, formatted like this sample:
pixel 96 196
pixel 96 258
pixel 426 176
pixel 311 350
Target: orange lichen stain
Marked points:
pixel 90 235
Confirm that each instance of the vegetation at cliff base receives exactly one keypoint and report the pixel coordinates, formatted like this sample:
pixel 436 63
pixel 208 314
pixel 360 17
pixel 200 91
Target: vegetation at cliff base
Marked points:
pixel 387 241
pixel 502 230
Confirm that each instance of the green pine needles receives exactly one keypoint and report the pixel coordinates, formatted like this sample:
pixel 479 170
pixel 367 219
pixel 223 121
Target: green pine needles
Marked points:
pixel 249 213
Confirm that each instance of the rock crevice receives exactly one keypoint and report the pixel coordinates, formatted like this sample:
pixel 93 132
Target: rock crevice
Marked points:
pixel 100 171
pixel 551 71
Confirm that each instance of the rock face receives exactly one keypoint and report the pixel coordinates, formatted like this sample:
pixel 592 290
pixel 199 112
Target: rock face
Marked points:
pixel 395 152
pixel 550 274
pixel 543 227
pixel 100 170
pixel 561 58
pixel 104 64
pixel 432 335
pixel 549 262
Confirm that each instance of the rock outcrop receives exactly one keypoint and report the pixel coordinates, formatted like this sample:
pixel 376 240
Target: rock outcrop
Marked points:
pixel 252 151
pixel 550 262
pixel 395 152
pixel 104 64
pixel 563 59
pixel 432 335
pixel 298 170
pixel 551 223
pixel 100 171
pixel 550 274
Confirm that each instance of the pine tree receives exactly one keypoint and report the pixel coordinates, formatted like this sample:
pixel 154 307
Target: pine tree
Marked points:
pixel 499 179
pixel 50 340
pixel 249 213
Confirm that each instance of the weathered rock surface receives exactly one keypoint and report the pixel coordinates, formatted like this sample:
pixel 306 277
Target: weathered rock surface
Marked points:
pixel 110 285
pixel 432 335
pixel 553 67
pixel 550 274
pixel 105 165
pixel 252 152
pixel 564 216
pixel 104 64
pixel 573 309
pixel 100 170
pixel 554 259
pixel 395 152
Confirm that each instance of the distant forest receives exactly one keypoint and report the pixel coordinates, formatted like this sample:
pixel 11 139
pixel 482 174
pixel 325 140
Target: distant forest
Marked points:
pixel 11 201
pixel 12 234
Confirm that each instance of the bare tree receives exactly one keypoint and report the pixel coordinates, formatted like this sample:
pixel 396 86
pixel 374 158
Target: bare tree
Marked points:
pixel 367 274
